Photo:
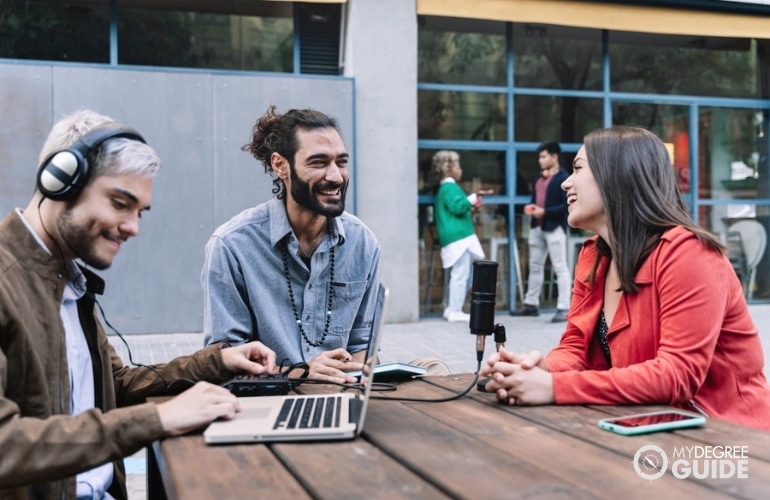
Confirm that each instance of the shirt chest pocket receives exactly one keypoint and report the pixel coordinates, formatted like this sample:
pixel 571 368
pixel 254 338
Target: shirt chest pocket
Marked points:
pixel 345 305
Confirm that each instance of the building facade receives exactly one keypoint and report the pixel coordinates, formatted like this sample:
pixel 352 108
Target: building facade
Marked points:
pixel 489 79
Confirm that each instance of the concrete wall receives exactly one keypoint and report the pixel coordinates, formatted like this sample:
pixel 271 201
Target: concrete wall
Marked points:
pixel 197 122
pixel 380 53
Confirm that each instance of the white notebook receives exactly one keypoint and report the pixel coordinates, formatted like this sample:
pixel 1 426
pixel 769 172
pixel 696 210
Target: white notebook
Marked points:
pixel 395 370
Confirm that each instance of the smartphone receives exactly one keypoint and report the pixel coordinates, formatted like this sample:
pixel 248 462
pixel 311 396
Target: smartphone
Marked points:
pixel 643 423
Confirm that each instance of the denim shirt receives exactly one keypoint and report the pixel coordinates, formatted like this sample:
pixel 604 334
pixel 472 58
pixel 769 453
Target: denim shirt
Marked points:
pixel 246 295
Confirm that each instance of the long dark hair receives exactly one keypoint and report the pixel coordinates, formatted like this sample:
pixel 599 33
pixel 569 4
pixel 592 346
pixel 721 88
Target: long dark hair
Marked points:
pixel 641 198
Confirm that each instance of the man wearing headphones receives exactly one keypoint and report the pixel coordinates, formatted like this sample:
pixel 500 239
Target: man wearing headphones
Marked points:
pixel 298 272
pixel 69 409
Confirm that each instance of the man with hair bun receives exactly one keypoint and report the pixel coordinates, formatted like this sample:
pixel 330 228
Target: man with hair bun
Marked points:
pixel 298 272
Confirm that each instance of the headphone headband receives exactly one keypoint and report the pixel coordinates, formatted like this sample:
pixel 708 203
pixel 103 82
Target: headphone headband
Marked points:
pixel 65 173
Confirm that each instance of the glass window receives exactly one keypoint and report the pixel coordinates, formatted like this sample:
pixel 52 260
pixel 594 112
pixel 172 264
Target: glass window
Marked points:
pixel 450 53
pixel 529 169
pixel 733 155
pixel 205 40
pixel 562 119
pixel 473 116
pixel 743 232
pixel 670 123
pixel 719 67
pixel 481 170
pixel 557 57
pixel 54 31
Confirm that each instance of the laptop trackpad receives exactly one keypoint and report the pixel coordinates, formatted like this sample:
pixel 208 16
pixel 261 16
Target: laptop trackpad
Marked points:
pixel 254 413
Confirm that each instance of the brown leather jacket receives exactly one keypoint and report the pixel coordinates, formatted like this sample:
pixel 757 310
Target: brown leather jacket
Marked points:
pixel 42 447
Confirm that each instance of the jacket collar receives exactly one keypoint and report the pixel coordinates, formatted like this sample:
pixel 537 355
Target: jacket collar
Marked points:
pixel 591 301
pixel 644 274
pixel 16 237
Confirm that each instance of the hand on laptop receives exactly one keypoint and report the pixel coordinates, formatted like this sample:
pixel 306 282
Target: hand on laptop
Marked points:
pixel 332 365
pixel 254 357
pixel 201 404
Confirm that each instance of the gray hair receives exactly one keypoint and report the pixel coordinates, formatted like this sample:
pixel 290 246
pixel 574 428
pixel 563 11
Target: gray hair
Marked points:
pixel 115 157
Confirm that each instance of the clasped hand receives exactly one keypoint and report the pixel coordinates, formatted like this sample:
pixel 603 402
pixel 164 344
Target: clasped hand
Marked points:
pixel 205 402
pixel 519 379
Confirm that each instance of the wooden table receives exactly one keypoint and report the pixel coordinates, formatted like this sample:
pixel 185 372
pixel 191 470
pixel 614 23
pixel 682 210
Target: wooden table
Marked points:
pixel 472 447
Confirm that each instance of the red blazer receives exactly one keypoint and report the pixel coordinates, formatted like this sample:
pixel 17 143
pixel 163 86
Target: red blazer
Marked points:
pixel 686 339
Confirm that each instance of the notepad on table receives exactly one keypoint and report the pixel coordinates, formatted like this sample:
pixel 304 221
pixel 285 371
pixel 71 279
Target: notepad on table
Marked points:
pixel 394 370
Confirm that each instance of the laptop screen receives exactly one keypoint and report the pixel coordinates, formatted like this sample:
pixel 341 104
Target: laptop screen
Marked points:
pixel 372 349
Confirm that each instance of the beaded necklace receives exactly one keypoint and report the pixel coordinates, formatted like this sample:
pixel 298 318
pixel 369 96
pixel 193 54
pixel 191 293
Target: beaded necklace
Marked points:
pixel 284 254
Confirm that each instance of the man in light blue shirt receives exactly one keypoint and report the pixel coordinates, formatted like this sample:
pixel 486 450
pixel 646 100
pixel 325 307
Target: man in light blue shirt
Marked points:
pixel 297 272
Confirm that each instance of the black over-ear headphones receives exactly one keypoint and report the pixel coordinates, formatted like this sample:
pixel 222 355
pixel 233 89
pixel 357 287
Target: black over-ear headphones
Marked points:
pixel 65 173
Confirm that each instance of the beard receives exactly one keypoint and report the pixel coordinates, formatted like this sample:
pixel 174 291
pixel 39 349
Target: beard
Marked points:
pixel 304 195
pixel 80 241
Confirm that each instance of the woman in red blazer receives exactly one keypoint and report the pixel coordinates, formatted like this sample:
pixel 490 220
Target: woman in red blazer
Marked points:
pixel 658 315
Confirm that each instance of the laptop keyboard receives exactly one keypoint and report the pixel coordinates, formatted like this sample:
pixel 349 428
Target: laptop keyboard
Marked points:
pixel 315 412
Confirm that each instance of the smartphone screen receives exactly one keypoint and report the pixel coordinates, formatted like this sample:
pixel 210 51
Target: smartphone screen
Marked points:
pixel 651 422
pixel 658 418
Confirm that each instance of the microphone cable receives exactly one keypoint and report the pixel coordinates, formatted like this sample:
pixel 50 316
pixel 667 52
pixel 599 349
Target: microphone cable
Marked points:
pixel 435 400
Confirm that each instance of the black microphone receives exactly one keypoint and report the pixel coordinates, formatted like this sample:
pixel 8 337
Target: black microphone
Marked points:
pixel 482 322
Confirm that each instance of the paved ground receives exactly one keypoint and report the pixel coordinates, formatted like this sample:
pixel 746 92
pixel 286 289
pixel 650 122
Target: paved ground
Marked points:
pixel 450 342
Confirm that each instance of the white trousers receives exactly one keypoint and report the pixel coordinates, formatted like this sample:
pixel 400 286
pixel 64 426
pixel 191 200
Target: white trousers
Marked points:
pixel 543 244
pixel 459 281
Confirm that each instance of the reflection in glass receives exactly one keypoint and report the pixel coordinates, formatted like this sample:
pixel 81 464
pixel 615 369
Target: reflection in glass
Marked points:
pixel 745 234
pixel 481 170
pixel 472 116
pixel 557 57
pixel 655 63
pixel 491 222
pixel 562 119
pixel 55 31
pixel 205 40
pixel 670 123
pixel 460 58
pixel 733 158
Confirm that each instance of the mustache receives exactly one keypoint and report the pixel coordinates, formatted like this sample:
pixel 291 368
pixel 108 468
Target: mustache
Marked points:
pixel 118 236
pixel 324 186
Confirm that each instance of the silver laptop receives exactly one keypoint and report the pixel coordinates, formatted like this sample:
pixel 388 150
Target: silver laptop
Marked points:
pixel 304 417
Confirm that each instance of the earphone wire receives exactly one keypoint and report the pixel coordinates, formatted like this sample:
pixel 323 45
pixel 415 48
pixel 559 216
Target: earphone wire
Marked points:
pixel 128 348
pixel 93 297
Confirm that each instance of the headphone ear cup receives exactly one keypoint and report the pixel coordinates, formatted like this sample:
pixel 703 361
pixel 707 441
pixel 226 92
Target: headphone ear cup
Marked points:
pixel 63 175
